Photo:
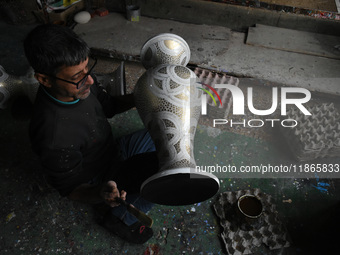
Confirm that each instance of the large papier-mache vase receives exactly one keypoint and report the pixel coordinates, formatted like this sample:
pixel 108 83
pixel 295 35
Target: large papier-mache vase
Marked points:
pixel 169 103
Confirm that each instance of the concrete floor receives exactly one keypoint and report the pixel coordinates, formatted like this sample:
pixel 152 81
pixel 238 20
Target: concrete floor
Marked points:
pixel 35 220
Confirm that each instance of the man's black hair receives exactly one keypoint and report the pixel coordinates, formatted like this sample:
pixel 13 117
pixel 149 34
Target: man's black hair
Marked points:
pixel 49 47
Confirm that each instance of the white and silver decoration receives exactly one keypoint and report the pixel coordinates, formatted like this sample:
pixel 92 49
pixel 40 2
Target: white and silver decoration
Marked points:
pixel 165 48
pixel 169 104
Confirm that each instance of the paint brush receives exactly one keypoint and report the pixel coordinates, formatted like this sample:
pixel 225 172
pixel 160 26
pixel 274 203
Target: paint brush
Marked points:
pixel 141 216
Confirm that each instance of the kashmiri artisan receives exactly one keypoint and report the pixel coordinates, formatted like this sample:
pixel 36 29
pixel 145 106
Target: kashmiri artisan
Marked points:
pixel 70 133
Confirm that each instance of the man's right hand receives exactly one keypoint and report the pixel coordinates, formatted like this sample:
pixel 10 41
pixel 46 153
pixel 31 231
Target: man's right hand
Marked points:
pixel 109 192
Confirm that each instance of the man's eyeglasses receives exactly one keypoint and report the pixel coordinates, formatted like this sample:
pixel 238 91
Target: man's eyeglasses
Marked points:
pixel 82 81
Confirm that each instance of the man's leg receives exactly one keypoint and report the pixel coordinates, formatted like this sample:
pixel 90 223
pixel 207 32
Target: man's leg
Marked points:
pixel 136 143
pixel 140 163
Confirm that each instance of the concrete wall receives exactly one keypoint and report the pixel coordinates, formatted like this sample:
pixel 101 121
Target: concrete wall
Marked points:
pixel 232 16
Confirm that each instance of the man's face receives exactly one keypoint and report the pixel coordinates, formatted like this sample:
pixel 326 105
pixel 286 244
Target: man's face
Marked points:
pixel 68 92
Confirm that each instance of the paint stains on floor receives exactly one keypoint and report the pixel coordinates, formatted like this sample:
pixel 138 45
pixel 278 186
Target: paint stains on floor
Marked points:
pixel 152 249
pixel 322 186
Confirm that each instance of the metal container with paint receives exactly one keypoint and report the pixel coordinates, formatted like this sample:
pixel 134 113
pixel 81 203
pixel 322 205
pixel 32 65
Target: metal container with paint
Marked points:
pixel 133 12
pixel 250 206
pixel 249 209
pixel 245 213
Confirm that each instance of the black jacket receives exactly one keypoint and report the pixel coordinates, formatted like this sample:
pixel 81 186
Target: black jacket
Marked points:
pixel 74 141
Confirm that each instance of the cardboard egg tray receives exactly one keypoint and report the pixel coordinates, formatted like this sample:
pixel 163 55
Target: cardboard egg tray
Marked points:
pixel 269 231
pixel 212 78
pixel 316 135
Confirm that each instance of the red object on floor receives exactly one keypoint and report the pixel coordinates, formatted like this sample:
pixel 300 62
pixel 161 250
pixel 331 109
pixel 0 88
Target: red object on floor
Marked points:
pixel 102 12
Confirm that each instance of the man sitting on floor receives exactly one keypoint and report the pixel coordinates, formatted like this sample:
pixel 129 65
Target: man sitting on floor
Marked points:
pixel 70 132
